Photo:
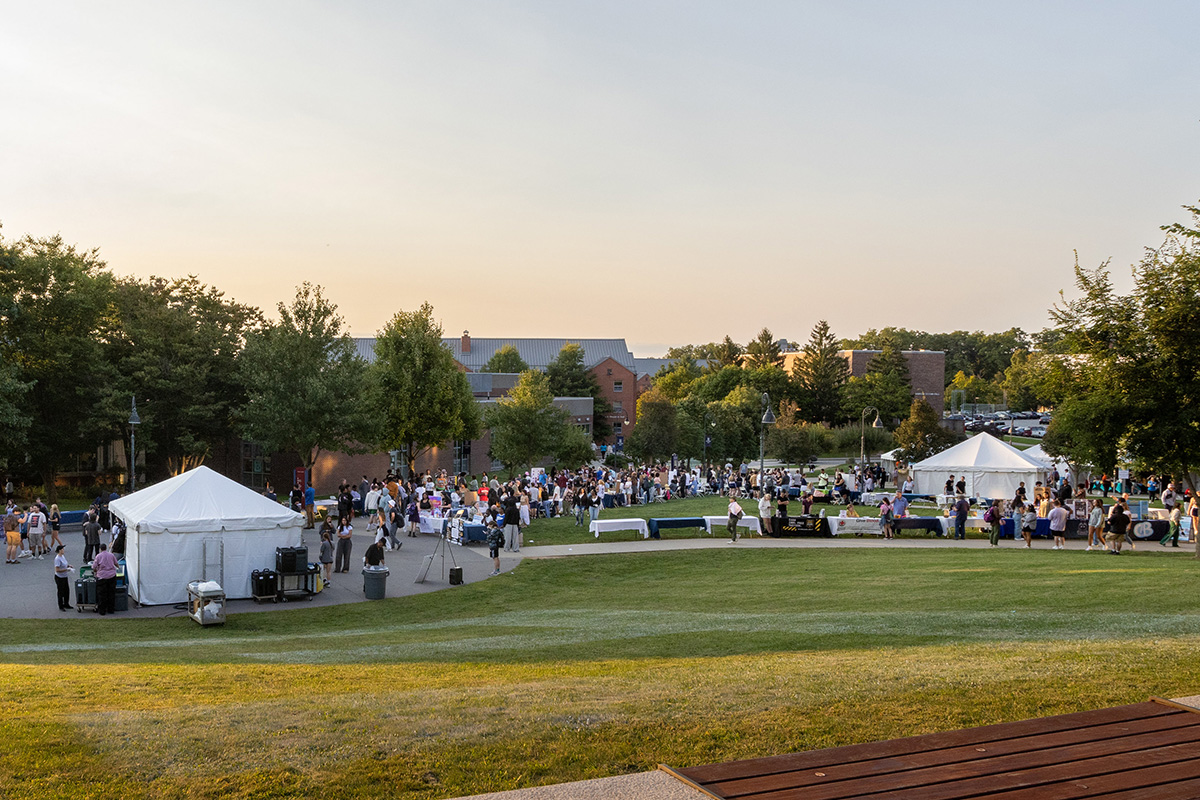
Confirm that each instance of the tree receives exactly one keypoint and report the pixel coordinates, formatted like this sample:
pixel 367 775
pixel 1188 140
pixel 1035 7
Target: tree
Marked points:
pixel 763 351
pixel 794 441
pixel 175 346
pixel 676 380
pixel 307 389
pixel 921 435
pixel 506 359
pixel 974 389
pixel 57 300
pixel 527 427
pixel 424 399
pixel 656 435
pixel 1020 390
pixel 1127 375
pixel 975 353
pixel 569 378
pixel 820 374
pixel 726 353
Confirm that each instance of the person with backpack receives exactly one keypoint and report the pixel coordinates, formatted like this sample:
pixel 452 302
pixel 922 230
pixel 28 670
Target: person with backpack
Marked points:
pixel 495 540
pixel 992 517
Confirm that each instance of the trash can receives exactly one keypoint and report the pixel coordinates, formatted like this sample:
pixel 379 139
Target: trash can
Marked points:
pixel 375 582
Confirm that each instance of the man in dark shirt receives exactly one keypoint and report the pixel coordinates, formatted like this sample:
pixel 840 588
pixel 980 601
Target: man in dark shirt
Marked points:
pixel 961 509
pixel 374 554
pixel 1118 523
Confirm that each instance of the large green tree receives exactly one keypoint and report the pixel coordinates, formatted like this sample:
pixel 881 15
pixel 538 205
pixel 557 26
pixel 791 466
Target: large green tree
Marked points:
pixel 921 435
pixel 794 441
pixel 656 436
pixel 569 377
pixel 424 398
pixel 175 345
pixel 307 389
pixel 526 427
pixel 820 375
pixel 57 305
pixel 506 359
pixel 763 351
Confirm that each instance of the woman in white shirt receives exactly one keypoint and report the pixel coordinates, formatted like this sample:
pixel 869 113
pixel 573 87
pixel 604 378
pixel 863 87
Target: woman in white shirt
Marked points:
pixel 735 514
pixel 764 512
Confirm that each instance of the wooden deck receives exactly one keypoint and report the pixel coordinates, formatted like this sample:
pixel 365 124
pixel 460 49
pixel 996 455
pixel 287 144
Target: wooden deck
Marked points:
pixel 1144 751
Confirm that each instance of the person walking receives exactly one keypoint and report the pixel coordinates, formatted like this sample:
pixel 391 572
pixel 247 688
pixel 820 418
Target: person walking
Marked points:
pixel 62 578
pixel 342 557
pixel 1174 518
pixel 326 557
pixel 1118 523
pixel 962 507
pixel 1096 525
pixel 91 537
pixel 512 524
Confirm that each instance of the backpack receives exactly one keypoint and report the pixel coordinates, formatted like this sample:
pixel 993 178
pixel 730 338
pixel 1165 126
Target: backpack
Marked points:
pixel 989 516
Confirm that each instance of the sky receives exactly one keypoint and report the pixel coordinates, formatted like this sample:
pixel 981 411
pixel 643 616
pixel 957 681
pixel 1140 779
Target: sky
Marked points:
pixel 665 172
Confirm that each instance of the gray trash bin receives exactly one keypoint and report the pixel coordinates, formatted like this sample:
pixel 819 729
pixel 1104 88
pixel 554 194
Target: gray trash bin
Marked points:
pixel 375 582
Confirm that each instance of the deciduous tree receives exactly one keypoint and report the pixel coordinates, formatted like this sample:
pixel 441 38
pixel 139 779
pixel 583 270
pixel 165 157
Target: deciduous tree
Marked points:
pixel 506 359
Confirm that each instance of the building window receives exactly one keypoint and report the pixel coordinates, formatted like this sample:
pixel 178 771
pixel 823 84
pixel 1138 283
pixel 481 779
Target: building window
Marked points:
pixel 617 409
pixel 462 455
pixel 256 466
pixel 618 386
pixel 610 371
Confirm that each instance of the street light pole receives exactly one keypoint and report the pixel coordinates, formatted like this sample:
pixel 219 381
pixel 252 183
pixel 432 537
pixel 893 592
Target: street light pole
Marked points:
pixel 768 418
pixel 862 435
pixel 134 421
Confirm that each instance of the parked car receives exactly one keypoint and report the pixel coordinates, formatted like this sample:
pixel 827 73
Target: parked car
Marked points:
pixel 1038 433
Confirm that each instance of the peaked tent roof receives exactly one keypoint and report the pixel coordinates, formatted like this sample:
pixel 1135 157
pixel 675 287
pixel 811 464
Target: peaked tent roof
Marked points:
pixel 200 501
pixel 981 451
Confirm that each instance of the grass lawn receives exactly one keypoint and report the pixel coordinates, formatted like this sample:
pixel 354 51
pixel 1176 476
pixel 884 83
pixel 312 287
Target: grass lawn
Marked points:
pixel 576 668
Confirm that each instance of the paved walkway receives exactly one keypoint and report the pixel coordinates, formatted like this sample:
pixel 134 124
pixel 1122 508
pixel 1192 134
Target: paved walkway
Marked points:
pixel 27 589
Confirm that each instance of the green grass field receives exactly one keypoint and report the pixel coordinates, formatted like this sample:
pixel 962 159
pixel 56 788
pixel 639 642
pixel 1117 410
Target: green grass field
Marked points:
pixel 576 668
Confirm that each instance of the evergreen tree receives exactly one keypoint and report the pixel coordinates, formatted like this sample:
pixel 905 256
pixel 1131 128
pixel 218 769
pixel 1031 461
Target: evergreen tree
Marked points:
pixel 726 353
pixel 570 378
pixel 763 351
pixel 820 374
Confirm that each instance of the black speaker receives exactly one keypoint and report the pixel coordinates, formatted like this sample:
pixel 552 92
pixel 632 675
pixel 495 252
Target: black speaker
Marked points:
pixel 456 576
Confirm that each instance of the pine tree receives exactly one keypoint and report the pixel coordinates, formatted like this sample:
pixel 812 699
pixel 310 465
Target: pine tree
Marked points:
pixel 820 374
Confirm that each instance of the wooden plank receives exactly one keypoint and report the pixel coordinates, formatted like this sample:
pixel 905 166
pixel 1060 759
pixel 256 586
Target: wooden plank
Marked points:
pixel 1158 781
pixel 934 758
pixel 711 773
pixel 958 784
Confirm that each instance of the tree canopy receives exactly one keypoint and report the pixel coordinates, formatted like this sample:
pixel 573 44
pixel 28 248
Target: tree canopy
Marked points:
pixel 526 427
pixel 570 378
pixel 424 398
pixel 506 359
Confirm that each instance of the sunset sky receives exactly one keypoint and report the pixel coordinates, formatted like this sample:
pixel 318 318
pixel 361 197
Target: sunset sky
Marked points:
pixel 666 172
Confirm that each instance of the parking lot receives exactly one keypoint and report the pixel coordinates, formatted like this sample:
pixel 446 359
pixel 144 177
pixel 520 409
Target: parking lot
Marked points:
pixel 1014 423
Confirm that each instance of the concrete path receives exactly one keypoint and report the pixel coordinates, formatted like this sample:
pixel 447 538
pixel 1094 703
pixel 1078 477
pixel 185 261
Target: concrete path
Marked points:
pixel 27 589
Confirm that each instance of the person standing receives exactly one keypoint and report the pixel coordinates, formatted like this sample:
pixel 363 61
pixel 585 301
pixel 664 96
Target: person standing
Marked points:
pixel 1058 524
pixel 1193 511
pixel 1118 523
pixel 764 512
pixel 55 525
pixel 36 522
pixel 962 507
pixel 781 504
pixel 62 578
pixel 344 533
pixel 326 557
pixel 992 517
pixel 310 502
pixel 495 540
pixel 105 566
pixel 885 518
pixel 91 537
pixel 512 524
pixel 12 537
pixel 735 516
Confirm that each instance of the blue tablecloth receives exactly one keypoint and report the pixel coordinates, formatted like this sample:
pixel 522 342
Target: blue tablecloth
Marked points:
pixel 673 522
pixel 474 532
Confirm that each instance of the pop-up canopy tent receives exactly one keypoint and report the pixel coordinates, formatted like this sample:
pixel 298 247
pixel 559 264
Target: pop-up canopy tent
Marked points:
pixel 991 468
pixel 196 522
pixel 1050 461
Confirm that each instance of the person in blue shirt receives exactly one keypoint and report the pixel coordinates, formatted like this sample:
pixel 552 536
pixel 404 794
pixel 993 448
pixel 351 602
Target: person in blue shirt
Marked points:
pixel 900 505
pixel 310 498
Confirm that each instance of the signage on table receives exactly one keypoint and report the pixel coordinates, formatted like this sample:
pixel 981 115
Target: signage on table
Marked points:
pixel 805 526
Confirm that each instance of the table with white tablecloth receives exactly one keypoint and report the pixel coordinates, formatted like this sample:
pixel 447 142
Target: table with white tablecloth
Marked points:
pixel 599 526
pixel 432 524
pixel 747 521
pixel 972 522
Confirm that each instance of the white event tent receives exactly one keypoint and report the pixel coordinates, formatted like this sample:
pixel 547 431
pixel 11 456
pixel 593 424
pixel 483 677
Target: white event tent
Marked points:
pixel 169 523
pixel 991 468
pixel 1050 461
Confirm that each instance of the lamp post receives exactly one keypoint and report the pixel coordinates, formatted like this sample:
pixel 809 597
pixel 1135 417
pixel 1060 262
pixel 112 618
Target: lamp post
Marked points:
pixel 134 421
pixel 862 435
pixel 768 418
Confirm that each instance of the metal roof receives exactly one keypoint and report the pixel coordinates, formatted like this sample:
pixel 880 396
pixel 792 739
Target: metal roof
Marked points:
pixel 537 353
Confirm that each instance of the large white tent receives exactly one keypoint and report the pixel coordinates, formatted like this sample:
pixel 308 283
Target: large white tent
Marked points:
pixel 991 468
pixel 175 527
pixel 1050 461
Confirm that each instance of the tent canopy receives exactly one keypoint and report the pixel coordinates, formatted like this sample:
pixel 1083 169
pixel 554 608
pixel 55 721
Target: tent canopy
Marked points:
pixel 990 467
pixel 200 525
pixel 201 501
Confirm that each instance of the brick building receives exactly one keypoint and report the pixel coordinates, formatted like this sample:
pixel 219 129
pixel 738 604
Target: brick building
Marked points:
pixel 926 369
